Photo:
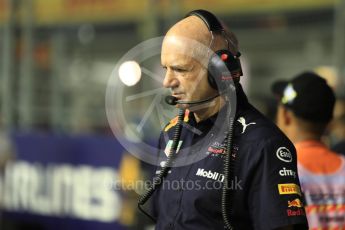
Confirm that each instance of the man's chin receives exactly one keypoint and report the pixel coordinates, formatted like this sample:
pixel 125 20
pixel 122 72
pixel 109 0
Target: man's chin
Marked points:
pixel 200 107
pixel 182 106
pixel 191 108
pixel 195 107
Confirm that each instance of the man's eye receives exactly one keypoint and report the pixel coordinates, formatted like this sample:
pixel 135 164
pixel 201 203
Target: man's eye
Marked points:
pixel 180 70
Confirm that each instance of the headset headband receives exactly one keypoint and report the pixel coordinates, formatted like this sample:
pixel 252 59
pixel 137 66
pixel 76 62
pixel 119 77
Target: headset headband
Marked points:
pixel 211 21
pixel 232 61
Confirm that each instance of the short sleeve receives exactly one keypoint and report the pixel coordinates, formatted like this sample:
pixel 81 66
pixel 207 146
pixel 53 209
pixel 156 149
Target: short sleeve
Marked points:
pixel 275 198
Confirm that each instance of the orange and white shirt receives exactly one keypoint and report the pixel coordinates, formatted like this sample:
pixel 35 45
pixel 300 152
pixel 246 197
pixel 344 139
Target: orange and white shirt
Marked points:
pixel 322 176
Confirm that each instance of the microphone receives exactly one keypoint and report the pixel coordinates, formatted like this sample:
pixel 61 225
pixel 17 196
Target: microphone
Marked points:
pixel 171 100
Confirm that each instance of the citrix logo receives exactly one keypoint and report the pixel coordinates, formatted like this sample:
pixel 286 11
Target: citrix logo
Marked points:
pixel 287 172
pixel 210 174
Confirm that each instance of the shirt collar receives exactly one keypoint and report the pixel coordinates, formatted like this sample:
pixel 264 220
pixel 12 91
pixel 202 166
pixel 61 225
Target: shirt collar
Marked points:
pixel 241 105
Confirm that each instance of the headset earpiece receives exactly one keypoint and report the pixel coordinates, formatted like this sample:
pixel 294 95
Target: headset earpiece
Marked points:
pixel 223 68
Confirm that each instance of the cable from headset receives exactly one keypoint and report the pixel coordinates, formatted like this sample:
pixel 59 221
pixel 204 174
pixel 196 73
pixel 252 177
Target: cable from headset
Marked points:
pixel 228 173
pixel 157 181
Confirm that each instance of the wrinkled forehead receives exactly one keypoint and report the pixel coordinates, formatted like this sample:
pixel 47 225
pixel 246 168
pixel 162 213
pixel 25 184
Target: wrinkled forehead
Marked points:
pixel 186 48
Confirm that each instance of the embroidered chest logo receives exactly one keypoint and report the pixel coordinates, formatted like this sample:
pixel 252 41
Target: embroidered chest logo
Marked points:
pixel 243 123
pixel 169 145
pixel 216 149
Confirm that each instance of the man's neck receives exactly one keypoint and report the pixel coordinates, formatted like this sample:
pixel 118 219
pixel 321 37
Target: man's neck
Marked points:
pixel 202 112
pixel 305 136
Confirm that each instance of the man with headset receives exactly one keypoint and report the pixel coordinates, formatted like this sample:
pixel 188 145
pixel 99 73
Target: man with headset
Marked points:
pixel 259 188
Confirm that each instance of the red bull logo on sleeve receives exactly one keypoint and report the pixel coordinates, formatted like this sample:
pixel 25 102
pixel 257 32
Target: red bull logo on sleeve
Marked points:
pixel 298 212
pixel 295 203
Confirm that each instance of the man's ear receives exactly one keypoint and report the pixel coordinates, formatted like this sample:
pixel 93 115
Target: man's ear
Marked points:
pixel 285 115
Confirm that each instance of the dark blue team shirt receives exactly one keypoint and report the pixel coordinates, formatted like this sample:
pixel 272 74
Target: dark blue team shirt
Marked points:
pixel 264 186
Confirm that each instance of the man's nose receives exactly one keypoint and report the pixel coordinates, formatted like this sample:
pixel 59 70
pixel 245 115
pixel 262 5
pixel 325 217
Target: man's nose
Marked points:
pixel 170 81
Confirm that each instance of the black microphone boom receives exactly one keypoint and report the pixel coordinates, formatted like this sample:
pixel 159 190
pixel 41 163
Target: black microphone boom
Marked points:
pixel 171 100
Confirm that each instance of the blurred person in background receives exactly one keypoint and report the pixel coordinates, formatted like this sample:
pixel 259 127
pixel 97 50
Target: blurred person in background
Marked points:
pixel 337 129
pixel 335 132
pixel 305 109
pixel 261 201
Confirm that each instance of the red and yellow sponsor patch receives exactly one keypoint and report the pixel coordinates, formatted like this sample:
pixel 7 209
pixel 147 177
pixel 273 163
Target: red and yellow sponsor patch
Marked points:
pixel 173 122
pixel 297 203
pixel 285 189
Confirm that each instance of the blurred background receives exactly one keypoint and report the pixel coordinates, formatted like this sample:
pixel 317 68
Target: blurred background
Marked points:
pixel 60 163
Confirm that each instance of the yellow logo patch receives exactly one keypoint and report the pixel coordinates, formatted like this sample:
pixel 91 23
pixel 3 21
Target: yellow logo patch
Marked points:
pixel 289 189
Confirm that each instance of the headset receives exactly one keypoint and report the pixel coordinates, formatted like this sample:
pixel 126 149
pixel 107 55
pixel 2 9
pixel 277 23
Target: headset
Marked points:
pixel 223 66
pixel 223 69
